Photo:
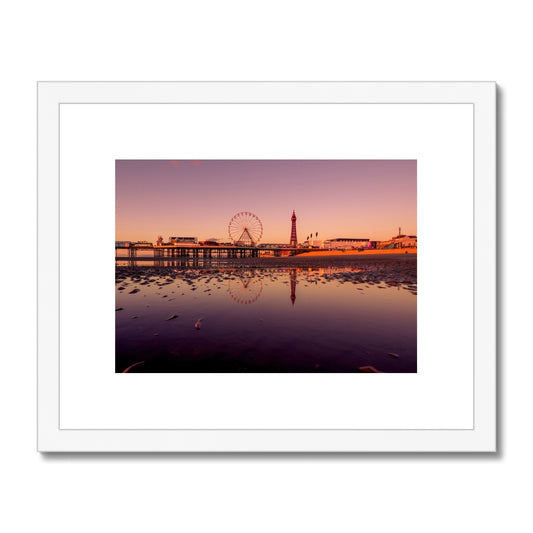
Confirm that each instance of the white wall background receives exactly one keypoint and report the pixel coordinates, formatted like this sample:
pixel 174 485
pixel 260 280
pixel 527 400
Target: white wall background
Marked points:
pixel 280 40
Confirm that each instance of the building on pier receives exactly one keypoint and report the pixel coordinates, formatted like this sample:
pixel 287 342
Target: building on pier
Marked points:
pixel 183 240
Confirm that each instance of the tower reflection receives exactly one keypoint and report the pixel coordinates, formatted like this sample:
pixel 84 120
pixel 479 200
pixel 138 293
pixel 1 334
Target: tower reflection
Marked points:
pixel 293 274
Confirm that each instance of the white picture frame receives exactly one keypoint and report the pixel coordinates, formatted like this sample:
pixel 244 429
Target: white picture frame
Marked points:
pixel 74 124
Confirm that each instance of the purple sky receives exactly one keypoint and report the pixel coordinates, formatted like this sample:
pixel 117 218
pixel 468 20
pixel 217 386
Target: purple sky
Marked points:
pixel 337 198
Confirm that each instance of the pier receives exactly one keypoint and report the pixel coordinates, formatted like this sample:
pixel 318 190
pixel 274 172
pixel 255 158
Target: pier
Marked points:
pixel 177 251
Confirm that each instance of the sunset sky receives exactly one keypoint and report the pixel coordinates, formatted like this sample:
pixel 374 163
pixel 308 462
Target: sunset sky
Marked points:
pixel 336 198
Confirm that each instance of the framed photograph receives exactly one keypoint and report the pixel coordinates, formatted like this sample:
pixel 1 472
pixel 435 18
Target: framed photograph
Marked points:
pixel 266 266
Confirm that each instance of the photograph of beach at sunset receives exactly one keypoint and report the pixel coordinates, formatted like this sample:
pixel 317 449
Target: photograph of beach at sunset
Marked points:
pixel 266 266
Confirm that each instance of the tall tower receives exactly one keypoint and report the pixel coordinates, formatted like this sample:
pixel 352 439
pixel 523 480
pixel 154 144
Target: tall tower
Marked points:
pixel 294 239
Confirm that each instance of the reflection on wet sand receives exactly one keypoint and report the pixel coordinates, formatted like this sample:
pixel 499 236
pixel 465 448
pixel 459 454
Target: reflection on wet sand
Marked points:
pixel 237 319
pixel 246 289
pixel 293 285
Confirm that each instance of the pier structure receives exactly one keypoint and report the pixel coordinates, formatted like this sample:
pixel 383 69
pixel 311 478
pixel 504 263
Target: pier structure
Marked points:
pixel 171 252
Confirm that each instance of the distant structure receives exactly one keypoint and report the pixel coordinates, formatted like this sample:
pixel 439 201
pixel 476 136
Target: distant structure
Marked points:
pixel 294 238
pixel 399 241
pixel 405 241
pixel 345 243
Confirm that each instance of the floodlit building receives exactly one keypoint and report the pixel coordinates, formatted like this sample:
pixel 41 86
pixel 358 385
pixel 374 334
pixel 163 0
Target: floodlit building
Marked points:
pixel 399 241
pixel 405 241
pixel 344 243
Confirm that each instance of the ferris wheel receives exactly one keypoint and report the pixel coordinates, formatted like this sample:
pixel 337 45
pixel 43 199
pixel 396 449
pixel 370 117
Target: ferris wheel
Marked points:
pixel 245 228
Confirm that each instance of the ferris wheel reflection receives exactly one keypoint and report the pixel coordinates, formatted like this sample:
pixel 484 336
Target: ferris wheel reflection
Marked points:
pixel 246 288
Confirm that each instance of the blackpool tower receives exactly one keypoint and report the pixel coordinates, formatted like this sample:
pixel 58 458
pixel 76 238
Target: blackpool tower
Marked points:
pixel 294 239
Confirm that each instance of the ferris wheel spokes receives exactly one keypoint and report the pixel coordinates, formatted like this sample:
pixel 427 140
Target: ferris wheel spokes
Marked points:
pixel 245 228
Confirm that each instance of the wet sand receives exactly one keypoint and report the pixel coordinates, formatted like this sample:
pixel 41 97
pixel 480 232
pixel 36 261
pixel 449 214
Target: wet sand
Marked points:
pixel 349 313
pixel 393 269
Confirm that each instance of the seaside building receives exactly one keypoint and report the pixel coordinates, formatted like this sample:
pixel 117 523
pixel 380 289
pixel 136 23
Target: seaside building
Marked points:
pixel 345 243
pixel 399 241
pixel 313 243
pixel 405 241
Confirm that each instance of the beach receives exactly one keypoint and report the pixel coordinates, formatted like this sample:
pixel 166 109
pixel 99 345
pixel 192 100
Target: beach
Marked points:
pixel 304 313
pixel 307 259
pixel 363 253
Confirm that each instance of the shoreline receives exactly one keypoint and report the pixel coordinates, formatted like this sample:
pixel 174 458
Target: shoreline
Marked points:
pixel 396 253
pixel 393 251
pixel 358 259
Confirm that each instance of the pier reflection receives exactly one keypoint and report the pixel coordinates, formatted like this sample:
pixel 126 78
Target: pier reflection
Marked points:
pixel 245 287
pixel 191 262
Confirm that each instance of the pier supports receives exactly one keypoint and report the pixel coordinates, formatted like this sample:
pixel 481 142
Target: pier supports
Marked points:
pixel 161 253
